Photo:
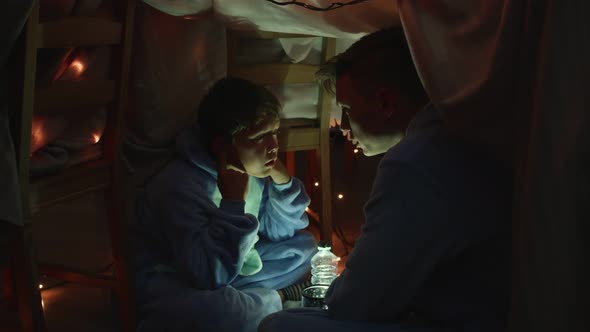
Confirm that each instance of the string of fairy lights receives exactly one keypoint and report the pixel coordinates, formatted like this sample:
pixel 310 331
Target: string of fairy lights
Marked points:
pixel 332 6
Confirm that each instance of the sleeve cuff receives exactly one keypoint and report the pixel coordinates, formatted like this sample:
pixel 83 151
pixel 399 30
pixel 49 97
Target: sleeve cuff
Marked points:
pixel 232 206
pixel 283 186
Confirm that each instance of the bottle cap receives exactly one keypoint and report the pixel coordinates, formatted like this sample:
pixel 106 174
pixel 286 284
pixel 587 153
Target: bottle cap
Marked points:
pixel 324 245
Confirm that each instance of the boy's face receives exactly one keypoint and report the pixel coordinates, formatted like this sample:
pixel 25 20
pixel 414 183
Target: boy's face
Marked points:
pixel 258 147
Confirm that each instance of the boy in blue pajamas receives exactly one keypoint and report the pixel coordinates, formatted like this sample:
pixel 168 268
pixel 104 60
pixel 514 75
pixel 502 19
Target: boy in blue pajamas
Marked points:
pixel 219 231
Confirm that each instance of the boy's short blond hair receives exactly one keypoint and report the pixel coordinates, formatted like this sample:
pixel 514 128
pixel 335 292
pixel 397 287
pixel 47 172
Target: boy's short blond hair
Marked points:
pixel 233 105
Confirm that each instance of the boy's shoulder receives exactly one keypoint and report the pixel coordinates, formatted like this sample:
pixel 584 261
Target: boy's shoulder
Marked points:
pixel 180 177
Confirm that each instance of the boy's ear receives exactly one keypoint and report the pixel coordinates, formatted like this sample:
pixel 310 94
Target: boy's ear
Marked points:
pixel 387 101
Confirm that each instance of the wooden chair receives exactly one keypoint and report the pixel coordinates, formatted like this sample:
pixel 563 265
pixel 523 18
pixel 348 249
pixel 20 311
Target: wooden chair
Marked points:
pixel 296 134
pixel 63 96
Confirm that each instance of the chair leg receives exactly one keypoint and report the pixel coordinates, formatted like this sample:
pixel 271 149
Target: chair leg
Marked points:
pixel 311 173
pixel 125 297
pixel 118 234
pixel 124 293
pixel 326 190
pixel 30 309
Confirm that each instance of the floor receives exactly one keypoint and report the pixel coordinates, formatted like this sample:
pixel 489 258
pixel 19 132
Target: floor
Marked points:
pixel 70 307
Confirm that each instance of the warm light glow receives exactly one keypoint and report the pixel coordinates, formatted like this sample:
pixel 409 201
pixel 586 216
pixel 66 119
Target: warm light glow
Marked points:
pixel 40 286
pixel 317 184
pixel 312 214
pixel 78 66
pixel 96 138
pixel 42 304
pixel 38 137
pixel 340 196
pixel 356 150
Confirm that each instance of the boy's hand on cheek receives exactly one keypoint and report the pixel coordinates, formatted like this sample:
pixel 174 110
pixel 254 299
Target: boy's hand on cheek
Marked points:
pixel 279 173
pixel 232 179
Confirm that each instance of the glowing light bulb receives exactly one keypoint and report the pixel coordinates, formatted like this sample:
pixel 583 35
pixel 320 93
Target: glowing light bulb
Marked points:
pixel 78 66
pixel 317 184
pixel 96 138
pixel 40 286
pixel 356 150
pixel 340 196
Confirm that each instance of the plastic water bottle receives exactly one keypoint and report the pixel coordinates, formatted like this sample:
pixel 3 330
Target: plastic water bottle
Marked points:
pixel 324 265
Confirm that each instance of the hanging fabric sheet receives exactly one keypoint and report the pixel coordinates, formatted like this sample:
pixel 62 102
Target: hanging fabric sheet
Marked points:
pixel 12 19
pixel 513 75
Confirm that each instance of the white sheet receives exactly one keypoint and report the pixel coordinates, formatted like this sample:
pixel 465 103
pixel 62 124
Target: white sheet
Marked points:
pixel 350 22
pixel 298 100
pixel 174 63
pixel 175 60
pixel 180 7
pixel 257 51
pixel 12 19
pixel 512 76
